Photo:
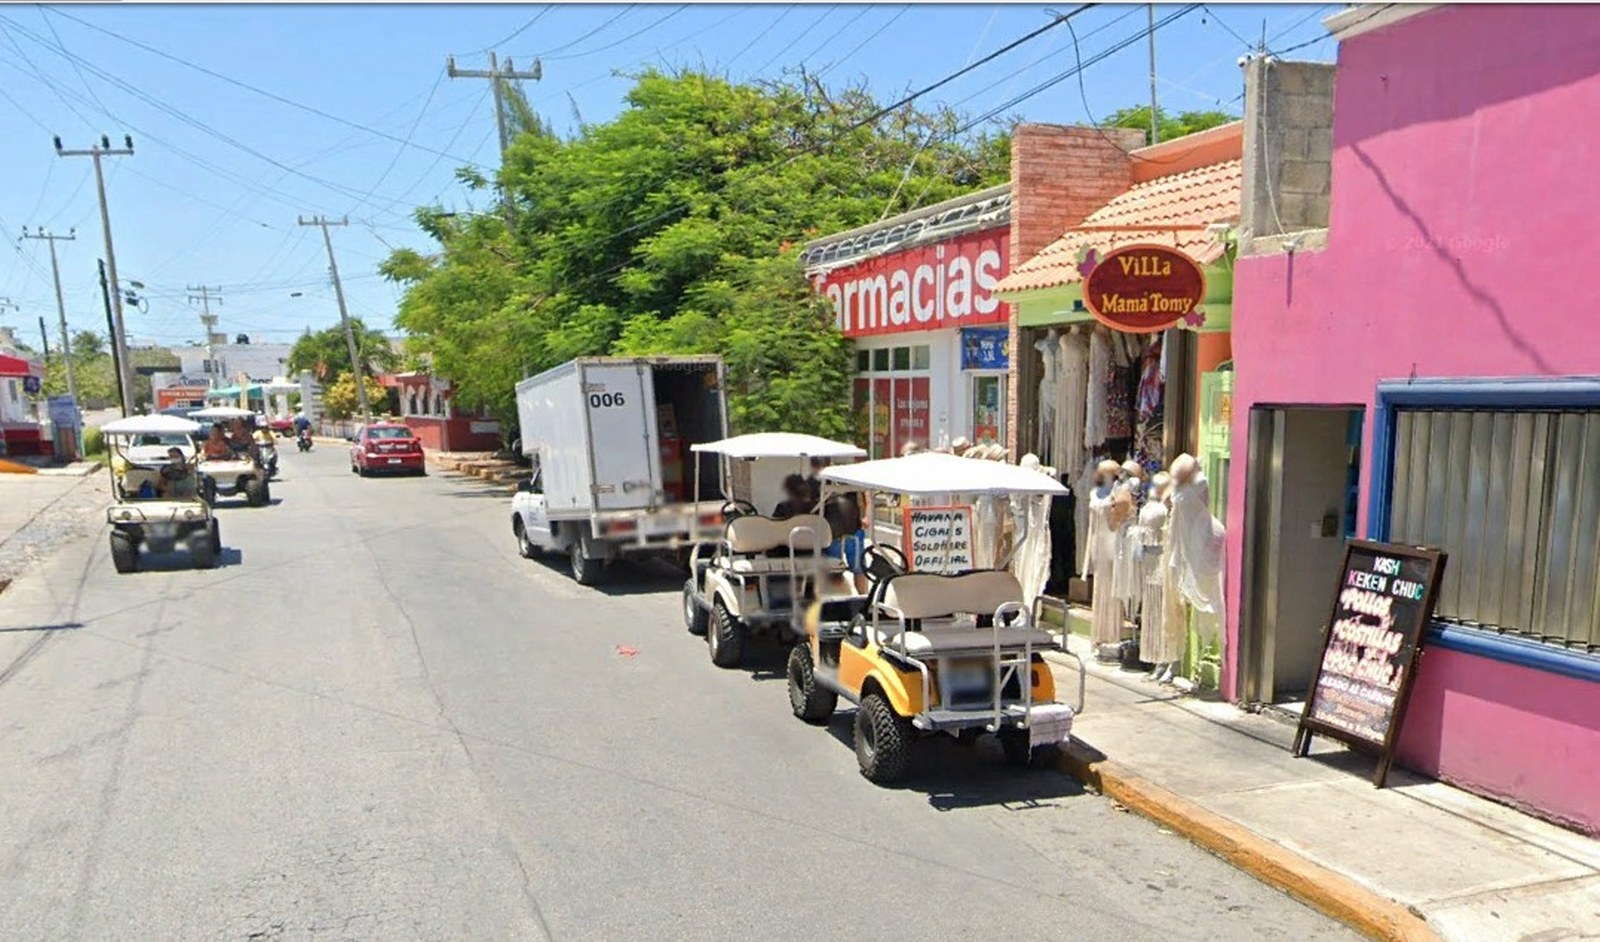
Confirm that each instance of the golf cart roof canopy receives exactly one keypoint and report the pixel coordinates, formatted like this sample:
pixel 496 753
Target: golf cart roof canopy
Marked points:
pixel 221 412
pixel 150 425
pixel 779 445
pixel 936 473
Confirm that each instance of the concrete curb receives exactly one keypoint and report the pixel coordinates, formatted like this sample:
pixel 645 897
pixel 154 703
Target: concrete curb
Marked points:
pixel 1331 893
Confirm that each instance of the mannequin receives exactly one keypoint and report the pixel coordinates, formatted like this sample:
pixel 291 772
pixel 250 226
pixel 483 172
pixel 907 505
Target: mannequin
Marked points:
pixel 1049 389
pixel 1100 558
pixel 1124 518
pixel 1160 640
pixel 1195 544
pixel 1095 412
pixel 1031 514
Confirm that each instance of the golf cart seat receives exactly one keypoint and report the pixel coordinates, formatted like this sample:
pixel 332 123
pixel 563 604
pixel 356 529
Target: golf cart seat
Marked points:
pixel 750 539
pixel 920 597
pixel 134 478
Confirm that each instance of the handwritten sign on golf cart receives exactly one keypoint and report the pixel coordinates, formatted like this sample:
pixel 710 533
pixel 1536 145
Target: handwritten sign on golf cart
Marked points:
pixel 938 539
pixel 1381 610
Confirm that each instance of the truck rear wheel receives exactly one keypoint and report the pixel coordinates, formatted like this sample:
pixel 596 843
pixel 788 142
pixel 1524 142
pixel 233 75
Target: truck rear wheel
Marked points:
pixel 124 552
pixel 525 547
pixel 809 702
pixel 883 741
pixel 724 637
pixel 695 618
pixel 585 570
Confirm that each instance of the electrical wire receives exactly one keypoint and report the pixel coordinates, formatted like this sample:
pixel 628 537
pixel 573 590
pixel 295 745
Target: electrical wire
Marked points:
pixel 613 44
pixel 799 35
pixel 761 35
pixel 831 37
pixel 1319 39
pixel 543 12
pixel 551 53
pixel 401 151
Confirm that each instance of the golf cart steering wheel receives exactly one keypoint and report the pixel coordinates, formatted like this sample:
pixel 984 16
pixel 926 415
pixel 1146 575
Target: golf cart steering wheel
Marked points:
pixel 882 559
pixel 739 508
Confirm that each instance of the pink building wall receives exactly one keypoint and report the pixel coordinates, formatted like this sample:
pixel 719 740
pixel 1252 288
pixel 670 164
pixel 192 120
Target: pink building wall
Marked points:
pixel 1462 243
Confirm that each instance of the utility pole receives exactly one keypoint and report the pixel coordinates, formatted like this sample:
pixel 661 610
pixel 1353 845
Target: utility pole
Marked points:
pixel 44 335
pixel 61 304
pixel 119 339
pixel 111 328
pixel 497 75
pixel 344 313
pixel 208 320
pixel 1155 122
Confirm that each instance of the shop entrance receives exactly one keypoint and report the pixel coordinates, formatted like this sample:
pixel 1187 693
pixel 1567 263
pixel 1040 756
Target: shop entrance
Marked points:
pixel 1300 507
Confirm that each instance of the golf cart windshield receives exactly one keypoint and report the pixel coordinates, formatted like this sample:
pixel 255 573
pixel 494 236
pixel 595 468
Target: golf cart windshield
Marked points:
pixel 150 480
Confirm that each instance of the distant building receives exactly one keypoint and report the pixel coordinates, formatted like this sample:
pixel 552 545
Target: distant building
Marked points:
pixel 222 363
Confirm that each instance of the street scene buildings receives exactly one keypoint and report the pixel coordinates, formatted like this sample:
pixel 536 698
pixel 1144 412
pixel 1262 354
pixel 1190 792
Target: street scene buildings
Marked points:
pixel 1188 528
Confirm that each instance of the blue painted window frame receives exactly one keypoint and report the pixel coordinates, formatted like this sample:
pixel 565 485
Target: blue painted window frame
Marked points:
pixel 1531 393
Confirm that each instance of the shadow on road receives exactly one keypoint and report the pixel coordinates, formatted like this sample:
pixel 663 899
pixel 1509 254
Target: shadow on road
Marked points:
pixel 955 776
pixel 180 561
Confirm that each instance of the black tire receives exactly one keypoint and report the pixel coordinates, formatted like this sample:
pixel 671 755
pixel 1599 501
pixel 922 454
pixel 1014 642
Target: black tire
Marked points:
pixel 202 549
pixel 215 529
pixel 526 548
pixel 256 493
pixel 124 552
pixel 883 741
pixel 1017 746
pixel 585 570
pixel 724 637
pixel 695 618
pixel 208 491
pixel 810 702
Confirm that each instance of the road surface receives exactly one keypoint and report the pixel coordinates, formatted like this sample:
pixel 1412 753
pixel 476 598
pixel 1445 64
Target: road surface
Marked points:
pixel 375 720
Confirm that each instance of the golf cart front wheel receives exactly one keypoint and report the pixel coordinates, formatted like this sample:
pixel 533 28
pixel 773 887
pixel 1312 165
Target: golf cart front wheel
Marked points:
pixel 695 618
pixel 124 552
pixel 724 637
pixel 883 741
pixel 1017 746
pixel 202 549
pixel 256 493
pixel 810 702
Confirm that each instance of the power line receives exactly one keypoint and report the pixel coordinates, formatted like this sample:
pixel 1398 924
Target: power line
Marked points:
pixel 613 44
pixel 799 35
pixel 759 36
pixel 863 44
pixel 517 32
pixel 551 53
pixel 1312 42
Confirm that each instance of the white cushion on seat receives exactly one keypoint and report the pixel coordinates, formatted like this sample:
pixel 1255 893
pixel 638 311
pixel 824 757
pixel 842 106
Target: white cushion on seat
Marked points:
pixel 771 564
pixel 951 639
pixel 929 595
pixel 760 534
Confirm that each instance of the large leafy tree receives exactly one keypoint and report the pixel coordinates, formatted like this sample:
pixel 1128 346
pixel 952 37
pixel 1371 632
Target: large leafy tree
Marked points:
pixel 670 229
pixel 1171 126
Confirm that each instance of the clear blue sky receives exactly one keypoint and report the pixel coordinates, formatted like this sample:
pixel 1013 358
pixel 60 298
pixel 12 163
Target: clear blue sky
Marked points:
pixel 221 172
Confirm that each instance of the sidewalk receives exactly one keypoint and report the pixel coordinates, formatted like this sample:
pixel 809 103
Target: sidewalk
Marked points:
pixel 39 512
pixel 1415 860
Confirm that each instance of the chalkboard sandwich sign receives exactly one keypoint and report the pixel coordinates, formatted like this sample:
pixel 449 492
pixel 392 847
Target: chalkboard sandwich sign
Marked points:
pixel 1370 648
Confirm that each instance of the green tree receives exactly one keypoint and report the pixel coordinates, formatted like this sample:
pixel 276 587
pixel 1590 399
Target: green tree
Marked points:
pixel 327 355
pixel 1172 126
pixel 670 229
pixel 340 401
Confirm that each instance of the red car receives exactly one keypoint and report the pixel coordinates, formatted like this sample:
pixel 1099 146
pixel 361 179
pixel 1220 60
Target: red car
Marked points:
pixel 281 425
pixel 385 446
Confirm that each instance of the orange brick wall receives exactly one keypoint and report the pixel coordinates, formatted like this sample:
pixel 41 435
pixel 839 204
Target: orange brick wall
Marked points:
pixel 1059 175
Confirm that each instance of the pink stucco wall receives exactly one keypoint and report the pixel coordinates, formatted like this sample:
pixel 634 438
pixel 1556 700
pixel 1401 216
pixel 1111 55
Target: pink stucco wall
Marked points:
pixel 1462 242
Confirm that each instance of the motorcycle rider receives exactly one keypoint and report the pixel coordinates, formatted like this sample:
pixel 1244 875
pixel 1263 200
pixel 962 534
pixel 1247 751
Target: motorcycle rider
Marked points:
pixel 302 430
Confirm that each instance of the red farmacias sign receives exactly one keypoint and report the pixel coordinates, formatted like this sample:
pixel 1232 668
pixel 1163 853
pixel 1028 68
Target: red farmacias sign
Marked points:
pixel 1141 289
pixel 946 284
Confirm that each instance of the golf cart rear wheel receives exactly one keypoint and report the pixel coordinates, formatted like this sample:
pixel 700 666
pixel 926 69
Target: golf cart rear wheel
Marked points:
pixel 1018 747
pixel 256 493
pixel 202 549
pixel 695 618
pixel 883 741
pixel 724 637
pixel 124 552
pixel 810 702
pixel 585 571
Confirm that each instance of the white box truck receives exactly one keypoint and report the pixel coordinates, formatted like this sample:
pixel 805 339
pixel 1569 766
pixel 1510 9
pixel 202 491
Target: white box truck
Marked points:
pixel 609 440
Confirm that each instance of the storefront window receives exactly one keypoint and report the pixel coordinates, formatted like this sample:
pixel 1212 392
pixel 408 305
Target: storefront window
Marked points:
pixel 893 400
pixel 902 358
pixel 988 408
pixel 880 360
pixel 863 361
pixel 920 357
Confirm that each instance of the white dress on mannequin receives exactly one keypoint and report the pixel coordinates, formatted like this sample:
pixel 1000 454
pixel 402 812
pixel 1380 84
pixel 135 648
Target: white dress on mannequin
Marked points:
pixel 1197 546
pixel 1074 390
pixel 1098 407
pixel 1161 640
pixel 1100 561
pixel 1049 392
pixel 1125 580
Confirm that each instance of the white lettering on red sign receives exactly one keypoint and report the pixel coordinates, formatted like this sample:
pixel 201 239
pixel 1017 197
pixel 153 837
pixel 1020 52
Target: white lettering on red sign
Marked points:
pixel 950 284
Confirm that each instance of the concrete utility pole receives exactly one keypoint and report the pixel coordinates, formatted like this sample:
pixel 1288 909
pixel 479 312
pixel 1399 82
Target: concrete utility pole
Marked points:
pixel 111 328
pixel 61 304
pixel 497 75
pixel 119 340
pixel 1155 122
pixel 344 313
pixel 208 320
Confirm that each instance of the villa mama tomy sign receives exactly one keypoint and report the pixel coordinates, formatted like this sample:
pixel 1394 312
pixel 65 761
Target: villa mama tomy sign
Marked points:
pixel 1381 610
pixel 1142 289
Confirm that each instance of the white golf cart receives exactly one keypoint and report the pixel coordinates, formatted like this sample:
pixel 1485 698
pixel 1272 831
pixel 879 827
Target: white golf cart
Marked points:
pixel 756 579
pixel 957 651
pixel 158 506
pixel 239 473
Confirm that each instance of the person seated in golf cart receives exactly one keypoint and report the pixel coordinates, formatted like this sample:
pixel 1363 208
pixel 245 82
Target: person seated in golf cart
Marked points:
pixel 177 477
pixel 239 437
pixel 796 498
pixel 843 513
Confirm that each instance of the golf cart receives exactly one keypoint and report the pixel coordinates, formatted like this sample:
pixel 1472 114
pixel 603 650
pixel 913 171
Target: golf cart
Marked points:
pixel 956 651
pixel 158 503
pixel 240 473
pixel 755 580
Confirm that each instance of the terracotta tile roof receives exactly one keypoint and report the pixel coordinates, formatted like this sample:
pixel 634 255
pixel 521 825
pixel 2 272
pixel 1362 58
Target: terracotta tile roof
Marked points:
pixel 1196 197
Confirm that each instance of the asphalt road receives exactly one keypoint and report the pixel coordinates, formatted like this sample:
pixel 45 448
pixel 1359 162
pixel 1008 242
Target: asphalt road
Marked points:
pixel 375 721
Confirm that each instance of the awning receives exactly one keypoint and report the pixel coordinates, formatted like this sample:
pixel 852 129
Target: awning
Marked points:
pixel 16 366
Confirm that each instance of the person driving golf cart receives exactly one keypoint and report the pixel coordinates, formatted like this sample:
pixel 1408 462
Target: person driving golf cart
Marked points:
pixel 216 445
pixel 177 477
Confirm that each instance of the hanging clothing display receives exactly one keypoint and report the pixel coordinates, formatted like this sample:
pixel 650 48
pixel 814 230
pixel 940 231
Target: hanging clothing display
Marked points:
pixel 1161 639
pixel 1150 386
pixel 1119 403
pixel 1123 519
pixel 1031 518
pixel 1196 546
pixel 1083 488
pixel 1073 386
pixel 1049 392
pixel 1100 561
pixel 1094 423
pixel 1063 536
